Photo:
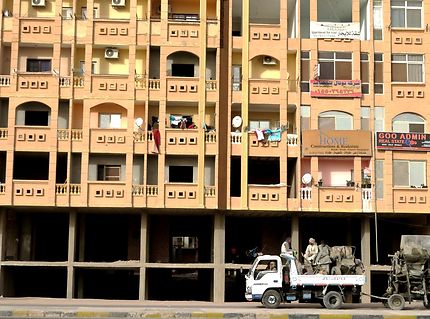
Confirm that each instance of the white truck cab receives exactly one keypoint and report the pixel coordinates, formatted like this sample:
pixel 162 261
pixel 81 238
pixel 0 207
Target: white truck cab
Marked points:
pixel 272 280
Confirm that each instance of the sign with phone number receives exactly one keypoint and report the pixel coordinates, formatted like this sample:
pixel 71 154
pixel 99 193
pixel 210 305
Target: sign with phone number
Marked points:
pixel 335 88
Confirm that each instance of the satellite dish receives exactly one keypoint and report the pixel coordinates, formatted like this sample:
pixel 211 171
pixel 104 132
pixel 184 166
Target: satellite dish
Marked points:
pixel 139 122
pixel 307 178
pixel 237 121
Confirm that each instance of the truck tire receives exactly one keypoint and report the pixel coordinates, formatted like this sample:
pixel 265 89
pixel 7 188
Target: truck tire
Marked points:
pixel 271 299
pixel 332 300
pixel 396 302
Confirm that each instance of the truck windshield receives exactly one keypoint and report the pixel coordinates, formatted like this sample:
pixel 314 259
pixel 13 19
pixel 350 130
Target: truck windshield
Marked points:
pixel 252 267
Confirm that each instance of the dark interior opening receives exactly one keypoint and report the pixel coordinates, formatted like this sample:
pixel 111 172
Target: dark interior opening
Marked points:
pixel 2 167
pixel 61 172
pixel 37 118
pixel 107 284
pixel 184 70
pixel 263 171
pixel 235 173
pixel 180 174
pixel 31 166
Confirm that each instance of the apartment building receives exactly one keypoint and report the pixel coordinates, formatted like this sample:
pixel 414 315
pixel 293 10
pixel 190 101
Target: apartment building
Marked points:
pixel 149 147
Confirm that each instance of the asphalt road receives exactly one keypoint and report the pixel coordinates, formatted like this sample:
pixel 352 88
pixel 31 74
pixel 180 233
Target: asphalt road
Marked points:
pixel 83 308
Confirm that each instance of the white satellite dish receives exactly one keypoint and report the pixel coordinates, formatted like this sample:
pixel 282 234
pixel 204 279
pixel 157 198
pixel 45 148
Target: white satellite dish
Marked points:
pixel 236 122
pixel 139 122
pixel 307 178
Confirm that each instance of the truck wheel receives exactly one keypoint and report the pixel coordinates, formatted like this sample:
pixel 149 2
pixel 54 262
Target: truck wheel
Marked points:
pixel 332 300
pixel 427 305
pixel 396 302
pixel 271 299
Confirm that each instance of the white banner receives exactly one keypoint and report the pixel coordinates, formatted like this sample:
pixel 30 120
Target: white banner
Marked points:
pixel 330 30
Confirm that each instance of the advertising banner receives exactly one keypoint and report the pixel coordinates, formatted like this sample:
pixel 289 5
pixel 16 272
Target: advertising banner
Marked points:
pixel 331 30
pixel 335 88
pixel 403 141
pixel 337 143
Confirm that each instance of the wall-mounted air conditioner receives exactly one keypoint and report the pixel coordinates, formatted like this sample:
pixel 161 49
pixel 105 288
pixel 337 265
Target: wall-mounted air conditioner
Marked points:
pixel 118 3
pixel 268 60
pixel 111 53
pixel 38 3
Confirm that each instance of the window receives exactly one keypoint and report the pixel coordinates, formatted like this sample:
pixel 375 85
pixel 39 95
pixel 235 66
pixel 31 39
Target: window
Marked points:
pixel 408 123
pixel 259 124
pixel 237 77
pixel 109 120
pixel 305 117
pixel 335 65
pixel 409 173
pixel 305 70
pixel 407 68
pixel 378 73
pixel 334 11
pixel 84 13
pixel 335 120
pixel 108 172
pixel 38 65
pixel 379 179
pixel 94 67
pixel 379 118
pixel 365 118
pixel 364 72
pixel 378 21
pixel 181 174
pixel 67 13
pixel 406 13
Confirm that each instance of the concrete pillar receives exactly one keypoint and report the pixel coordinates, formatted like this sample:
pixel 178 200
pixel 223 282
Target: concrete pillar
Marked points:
pixel 3 214
pixel 143 255
pixel 295 233
pixel 365 256
pixel 25 240
pixel 71 254
pixel 219 258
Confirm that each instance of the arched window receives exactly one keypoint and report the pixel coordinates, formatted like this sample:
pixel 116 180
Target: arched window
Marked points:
pixel 335 120
pixel 408 123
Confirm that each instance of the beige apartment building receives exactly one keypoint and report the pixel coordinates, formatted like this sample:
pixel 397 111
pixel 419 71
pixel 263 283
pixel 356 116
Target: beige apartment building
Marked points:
pixel 147 146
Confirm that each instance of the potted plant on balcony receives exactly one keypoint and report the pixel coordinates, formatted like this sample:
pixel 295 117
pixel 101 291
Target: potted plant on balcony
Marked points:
pixel 350 183
pixel 320 182
pixel 365 183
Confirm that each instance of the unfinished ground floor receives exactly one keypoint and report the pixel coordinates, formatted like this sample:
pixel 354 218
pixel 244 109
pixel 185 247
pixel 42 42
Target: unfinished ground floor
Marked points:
pixel 175 255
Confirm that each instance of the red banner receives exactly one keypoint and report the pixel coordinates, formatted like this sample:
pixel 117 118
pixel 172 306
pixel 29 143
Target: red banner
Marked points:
pixel 335 88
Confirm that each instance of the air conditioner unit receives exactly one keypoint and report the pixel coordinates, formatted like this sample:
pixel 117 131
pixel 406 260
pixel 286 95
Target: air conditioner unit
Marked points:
pixel 118 3
pixel 38 3
pixel 169 9
pixel 268 60
pixel 111 53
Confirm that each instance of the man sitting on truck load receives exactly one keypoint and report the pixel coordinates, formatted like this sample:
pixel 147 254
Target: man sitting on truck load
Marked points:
pixel 323 260
pixel 310 255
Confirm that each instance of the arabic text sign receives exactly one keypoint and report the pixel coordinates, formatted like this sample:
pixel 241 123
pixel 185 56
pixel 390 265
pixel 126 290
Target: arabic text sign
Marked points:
pixel 335 88
pixel 330 30
pixel 403 141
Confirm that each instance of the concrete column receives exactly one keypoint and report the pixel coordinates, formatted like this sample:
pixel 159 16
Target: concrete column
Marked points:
pixel 365 256
pixel 25 240
pixel 143 255
pixel 3 214
pixel 219 258
pixel 71 254
pixel 295 233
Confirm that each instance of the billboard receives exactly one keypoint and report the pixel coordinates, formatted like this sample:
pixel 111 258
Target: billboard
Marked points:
pixel 332 30
pixel 336 143
pixel 403 141
pixel 335 88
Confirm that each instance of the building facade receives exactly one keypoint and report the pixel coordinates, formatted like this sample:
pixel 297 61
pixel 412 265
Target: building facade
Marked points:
pixel 148 148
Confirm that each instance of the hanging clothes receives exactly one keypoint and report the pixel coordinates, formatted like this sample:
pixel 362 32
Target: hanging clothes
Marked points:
pixel 259 134
pixel 275 135
pixel 156 136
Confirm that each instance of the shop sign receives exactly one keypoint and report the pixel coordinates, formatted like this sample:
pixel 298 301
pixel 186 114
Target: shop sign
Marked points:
pixel 403 141
pixel 336 143
pixel 335 88
pixel 331 30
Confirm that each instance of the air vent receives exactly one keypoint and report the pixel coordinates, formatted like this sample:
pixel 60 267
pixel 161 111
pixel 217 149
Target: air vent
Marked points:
pixel 268 60
pixel 118 3
pixel 38 3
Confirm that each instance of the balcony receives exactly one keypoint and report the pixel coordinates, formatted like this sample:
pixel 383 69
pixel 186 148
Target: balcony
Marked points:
pixel 5 87
pixel 210 197
pixel 264 91
pixel 32 138
pixel 109 140
pixel 108 194
pixel 154 87
pixel 65 136
pixel 344 199
pixel 68 195
pixel 118 32
pixel 32 193
pixel 266 147
pixel 111 86
pixel 410 199
pixel 37 84
pixel 267 197
pixel 180 141
pixel 211 142
pixel 212 90
pixel 182 195
pixel 38 30
pixel 182 89
pixel 236 143
pixel 183 33
pixel 143 142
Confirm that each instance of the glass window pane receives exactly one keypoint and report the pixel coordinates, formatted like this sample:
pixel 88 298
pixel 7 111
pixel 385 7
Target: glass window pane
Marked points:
pixel 378 56
pixel 379 78
pixel 115 121
pixel 305 70
pixel 343 71
pixel 398 17
pixel 415 73
pixel 365 124
pixel 365 111
pixel 326 70
pixel 401 3
pixel 364 72
pixel 416 128
pixel 305 123
pixel 305 55
pixel 415 3
pixel 417 172
pixel 104 121
pixel 326 123
pixel 401 173
pixel 414 18
pixel 415 57
pixel 378 88
pixel 344 55
pixel 401 127
pixel 305 111
pixel 344 123
pixel 398 72
pixel 364 56
pixel 325 55
pixel 398 57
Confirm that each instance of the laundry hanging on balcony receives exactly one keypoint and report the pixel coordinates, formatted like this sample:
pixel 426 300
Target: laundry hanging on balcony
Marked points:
pixel 268 135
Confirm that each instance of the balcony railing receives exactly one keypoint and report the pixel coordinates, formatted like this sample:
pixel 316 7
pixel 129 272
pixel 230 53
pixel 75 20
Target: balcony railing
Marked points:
pixel 78 81
pixel 140 82
pixel 210 137
pixel 306 193
pixel 65 81
pixel 366 196
pixel 2 188
pixel 3 133
pixel 138 190
pixel 211 85
pixel 236 138
pixel 292 139
pixel 210 191
pixel 151 190
pixel 142 190
pixel 154 84
pixel 4 80
pixel 64 134
pixel 72 189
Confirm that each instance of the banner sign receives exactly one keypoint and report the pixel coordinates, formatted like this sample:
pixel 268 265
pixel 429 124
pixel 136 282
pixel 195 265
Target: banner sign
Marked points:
pixel 335 88
pixel 337 143
pixel 403 141
pixel 331 30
